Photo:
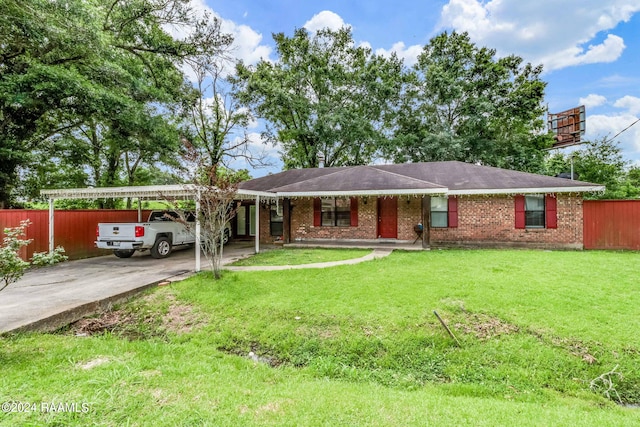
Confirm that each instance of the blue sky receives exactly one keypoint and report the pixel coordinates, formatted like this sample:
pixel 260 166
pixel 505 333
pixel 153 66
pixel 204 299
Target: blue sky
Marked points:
pixel 590 49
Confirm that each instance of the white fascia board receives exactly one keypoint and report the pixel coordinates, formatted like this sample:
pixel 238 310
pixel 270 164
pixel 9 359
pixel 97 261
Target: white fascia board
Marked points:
pixel 403 192
pixel 254 193
pixel 134 191
pixel 545 190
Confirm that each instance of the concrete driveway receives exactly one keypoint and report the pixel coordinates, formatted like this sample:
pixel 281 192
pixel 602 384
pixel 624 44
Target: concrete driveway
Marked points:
pixel 50 297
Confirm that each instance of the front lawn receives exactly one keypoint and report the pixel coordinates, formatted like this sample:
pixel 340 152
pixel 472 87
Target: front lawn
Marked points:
pixel 547 338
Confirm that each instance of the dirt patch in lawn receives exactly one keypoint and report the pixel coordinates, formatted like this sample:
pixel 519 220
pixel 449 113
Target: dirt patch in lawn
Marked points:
pixel 153 315
pixel 485 327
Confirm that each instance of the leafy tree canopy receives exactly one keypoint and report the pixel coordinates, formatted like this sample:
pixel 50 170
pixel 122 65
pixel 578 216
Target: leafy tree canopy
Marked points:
pixel 461 103
pixel 324 95
pixel 76 64
pixel 599 161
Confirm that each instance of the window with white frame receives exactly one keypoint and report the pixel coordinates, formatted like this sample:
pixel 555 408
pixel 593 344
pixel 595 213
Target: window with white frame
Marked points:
pixel 439 212
pixel 276 219
pixel 534 210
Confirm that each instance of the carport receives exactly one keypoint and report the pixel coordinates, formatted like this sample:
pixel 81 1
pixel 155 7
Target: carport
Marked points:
pixel 152 192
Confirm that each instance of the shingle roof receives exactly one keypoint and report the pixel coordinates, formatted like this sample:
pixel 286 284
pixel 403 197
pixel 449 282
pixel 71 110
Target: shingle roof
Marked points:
pixel 412 178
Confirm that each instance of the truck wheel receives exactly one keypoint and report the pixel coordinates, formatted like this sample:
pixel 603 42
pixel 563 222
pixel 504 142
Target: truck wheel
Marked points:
pixel 162 248
pixel 124 253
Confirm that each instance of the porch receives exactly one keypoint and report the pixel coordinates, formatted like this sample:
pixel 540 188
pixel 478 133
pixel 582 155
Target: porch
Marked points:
pixel 402 245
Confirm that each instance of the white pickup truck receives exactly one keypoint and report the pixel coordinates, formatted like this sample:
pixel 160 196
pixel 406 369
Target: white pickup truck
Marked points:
pixel 159 234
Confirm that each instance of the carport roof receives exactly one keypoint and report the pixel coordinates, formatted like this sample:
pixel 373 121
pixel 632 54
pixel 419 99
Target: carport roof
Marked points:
pixel 147 192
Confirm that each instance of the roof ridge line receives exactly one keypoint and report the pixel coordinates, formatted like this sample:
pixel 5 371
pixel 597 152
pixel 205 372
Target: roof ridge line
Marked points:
pixel 406 176
pixel 322 176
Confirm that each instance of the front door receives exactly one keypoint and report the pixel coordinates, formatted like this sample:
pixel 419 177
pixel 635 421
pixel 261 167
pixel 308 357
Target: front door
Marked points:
pixel 388 217
pixel 245 221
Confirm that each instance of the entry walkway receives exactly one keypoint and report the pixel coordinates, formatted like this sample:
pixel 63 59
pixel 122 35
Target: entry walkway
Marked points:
pixel 377 253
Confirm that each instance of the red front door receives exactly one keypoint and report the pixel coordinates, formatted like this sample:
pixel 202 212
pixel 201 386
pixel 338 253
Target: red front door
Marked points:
pixel 388 217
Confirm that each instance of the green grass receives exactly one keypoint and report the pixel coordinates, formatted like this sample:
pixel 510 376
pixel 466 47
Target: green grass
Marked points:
pixel 300 256
pixel 357 345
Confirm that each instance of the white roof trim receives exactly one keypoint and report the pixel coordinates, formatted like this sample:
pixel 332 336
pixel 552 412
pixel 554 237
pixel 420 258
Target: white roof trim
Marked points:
pixel 134 191
pixel 409 192
pixel 149 191
pixel 580 189
pixel 256 193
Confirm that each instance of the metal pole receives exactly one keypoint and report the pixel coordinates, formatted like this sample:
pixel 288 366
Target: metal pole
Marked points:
pixel 571 166
pixel 197 245
pixel 51 217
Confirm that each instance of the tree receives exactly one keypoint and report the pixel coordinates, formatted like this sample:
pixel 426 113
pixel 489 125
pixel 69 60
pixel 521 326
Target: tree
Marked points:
pixel 216 192
pixel 324 96
pixel 72 63
pixel 599 161
pixel 461 103
pixel 216 125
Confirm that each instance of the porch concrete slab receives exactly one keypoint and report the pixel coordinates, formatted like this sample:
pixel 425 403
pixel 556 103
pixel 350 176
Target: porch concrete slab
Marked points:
pixel 48 298
pixel 359 244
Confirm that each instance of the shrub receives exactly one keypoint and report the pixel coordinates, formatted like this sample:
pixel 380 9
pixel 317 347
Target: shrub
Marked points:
pixel 12 267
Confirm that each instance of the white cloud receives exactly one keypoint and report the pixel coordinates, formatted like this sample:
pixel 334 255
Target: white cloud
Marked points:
pixel 631 103
pixel 607 126
pixel 247 43
pixel 556 34
pixel 607 51
pixel 325 19
pixel 592 100
pixel 408 54
pixel 616 80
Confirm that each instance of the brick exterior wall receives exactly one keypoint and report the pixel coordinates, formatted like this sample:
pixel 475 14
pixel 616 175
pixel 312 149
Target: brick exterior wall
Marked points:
pixel 490 221
pixel 486 221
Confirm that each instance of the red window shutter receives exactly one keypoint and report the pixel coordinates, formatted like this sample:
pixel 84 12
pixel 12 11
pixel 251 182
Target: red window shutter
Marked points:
pixel 520 213
pixel 354 211
pixel 551 211
pixel 453 211
pixel 317 212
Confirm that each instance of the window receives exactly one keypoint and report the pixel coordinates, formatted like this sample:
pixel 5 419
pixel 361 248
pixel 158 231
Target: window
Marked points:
pixel 439 212
pixel 336 212
pixel 534 211
pixel 276 220
pixel 444 212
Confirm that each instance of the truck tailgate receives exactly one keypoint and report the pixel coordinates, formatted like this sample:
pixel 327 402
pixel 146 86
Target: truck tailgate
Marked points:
pixel 122 232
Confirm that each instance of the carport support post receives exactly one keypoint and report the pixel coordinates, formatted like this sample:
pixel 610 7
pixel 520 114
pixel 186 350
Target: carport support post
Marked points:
pixel 286 220
pixel 197 245
pixel 426 223
pixel 51 239
pixel 257 224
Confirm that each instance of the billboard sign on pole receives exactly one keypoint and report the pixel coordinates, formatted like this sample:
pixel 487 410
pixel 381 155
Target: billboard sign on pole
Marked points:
pixel 567 126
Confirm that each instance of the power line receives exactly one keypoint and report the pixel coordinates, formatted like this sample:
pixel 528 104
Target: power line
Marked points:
pixel 622 131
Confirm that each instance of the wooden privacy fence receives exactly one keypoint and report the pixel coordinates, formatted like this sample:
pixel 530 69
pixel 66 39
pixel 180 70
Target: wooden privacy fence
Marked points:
pixel 611 224
pixel 75 230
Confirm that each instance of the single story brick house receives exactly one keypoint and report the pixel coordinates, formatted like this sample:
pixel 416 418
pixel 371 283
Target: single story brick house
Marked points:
pixel 436 203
